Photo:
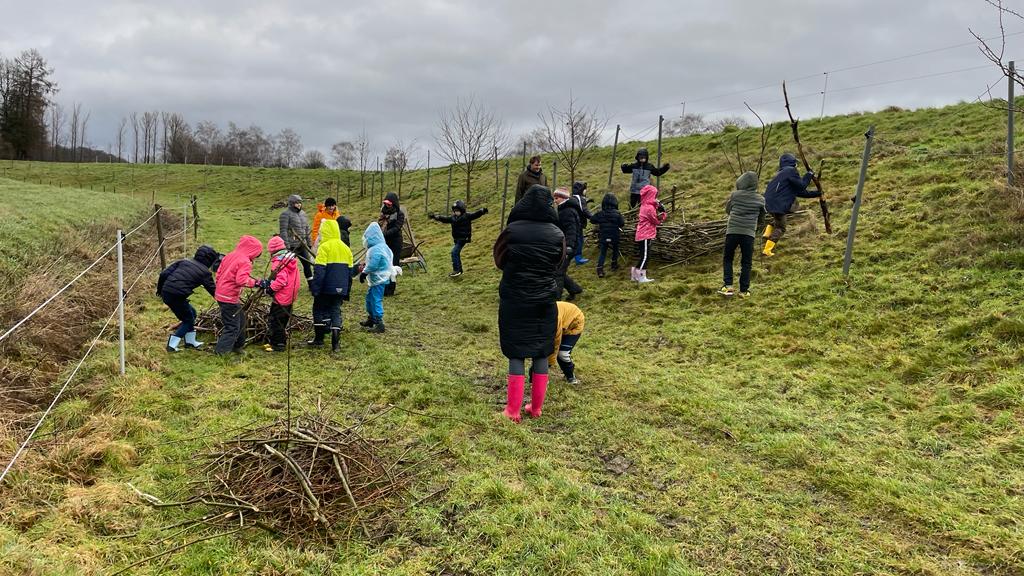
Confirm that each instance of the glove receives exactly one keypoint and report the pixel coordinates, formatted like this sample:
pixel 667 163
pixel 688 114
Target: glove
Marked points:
pixel 263 284
pixel 486 210
pixel 269 291
pixel 362 277
pixel 432 216
pixel 810 173
pixel 665 166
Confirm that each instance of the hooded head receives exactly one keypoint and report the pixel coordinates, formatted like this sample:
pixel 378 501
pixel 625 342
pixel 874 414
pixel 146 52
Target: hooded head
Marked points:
pixel 373 235
pixel 250 246
pixel 329 231
pixel 293 200
pixel 275 244
pixel 579 188
pixel 610 202
pixel 747 181
pixel 344 223
pixel 648 194
pixel 537 204
pixel 390 203
pixel 642 155
pixel 787 160
pixel 459 206
pixel 206 255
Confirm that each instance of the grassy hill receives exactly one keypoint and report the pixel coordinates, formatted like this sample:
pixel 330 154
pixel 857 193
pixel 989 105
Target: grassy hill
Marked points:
pixel 815 428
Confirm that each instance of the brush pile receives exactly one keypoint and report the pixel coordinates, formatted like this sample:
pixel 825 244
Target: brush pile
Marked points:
pixel 256 329
pixel 314 481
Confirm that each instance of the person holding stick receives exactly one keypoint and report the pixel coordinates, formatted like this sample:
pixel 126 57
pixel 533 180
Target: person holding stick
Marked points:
pixel 235 274
pixel 176 284
pixel 294 228
pixel 283 289
pixel 779 196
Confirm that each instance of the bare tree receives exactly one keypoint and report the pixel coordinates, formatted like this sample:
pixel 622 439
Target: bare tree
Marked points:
pixel 135 135
pixel 343 155
pixel 466 135
pixel 288 147
pixel 396 159
pixel 997 55
pixel 362 145
pixel 81 139
pixel 76 119
pixel 689 124
pixel 56 128
pixel 570 133
pixel 121 128
pixel 149 132
pixel 313 159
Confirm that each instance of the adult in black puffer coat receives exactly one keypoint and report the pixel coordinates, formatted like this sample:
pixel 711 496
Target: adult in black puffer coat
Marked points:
pixel 529 252
pixel 174 286
pixel 570 221
pixel 391 221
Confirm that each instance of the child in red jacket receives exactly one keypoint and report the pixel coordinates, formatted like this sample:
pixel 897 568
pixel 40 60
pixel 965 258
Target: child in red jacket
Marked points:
pixel 235 274
pixel 284 287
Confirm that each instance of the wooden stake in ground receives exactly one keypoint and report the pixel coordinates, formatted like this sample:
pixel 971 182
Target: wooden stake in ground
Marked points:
pixel 794 125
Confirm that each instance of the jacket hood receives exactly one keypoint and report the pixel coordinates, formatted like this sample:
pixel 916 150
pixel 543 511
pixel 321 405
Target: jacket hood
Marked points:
pixel 250 246
pixel 787 160
pixel 460 206
pixel 578 188
pixel 343 222
pixel 206 255
pixel 275 244
pixel 537 205
pixel 648 194
pixel 610 202
pixel 394 200
pixel 321 207
pixel 329 231
pixel 642 153
pixel 293 200
pixel 747 181
pixel 373 235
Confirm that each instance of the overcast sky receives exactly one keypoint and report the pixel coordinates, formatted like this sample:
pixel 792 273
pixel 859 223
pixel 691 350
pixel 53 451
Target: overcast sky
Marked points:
pixel 329 68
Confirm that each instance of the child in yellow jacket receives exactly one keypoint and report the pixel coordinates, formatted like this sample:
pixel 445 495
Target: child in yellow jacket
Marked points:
pixel 567 334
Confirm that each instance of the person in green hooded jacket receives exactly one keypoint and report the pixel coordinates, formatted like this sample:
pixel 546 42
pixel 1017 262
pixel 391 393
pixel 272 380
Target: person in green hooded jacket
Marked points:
pixel 745 208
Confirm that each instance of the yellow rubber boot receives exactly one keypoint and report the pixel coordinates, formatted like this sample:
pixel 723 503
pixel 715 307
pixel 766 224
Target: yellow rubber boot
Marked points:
pixel 767 231
pixel 768 247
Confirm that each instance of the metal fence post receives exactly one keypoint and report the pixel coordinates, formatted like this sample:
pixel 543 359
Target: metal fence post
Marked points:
pixel 869 136
pixel 1009 125
pixel 120 295
pixel 615 146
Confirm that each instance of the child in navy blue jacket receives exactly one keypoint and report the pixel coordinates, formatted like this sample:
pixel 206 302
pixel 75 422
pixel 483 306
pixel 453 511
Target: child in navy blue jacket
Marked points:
pixel 462 231
pixel 175 285
pixel 609 228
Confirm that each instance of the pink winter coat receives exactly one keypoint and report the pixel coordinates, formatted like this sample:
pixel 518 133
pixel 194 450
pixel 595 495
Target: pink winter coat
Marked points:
pixel 235 272
pixel 286 283
pixel 648 219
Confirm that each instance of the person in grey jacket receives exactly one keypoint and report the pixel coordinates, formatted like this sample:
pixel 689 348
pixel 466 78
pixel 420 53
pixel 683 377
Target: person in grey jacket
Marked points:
pixel 641 171
pixel 295 230
pixel 745 208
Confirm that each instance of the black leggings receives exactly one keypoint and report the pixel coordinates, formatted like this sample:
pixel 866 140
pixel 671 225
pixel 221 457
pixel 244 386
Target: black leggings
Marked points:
pixel 643 248
pixel 517 366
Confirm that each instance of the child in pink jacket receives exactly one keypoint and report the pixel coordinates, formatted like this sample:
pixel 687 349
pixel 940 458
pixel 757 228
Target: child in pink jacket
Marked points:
pixel 652 213
pixel 234 275
pixel 284 287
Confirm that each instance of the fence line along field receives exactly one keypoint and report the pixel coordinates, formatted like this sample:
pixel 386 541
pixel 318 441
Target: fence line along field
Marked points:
pixel 816 427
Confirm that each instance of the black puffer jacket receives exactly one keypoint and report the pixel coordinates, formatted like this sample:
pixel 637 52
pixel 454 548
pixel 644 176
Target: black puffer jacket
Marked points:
pixel 183 276
pixel 529 253
pixel 462 223
pixel 391 221
pixel 570 219
pixel 609 220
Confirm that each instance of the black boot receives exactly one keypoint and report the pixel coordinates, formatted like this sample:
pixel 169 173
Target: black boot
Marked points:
pixel 318 336
pixel 378 326
pixel 335 340
pixel 367 323
pixel 600 271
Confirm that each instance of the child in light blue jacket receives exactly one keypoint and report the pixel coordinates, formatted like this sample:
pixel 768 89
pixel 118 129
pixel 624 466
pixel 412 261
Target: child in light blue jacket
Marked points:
pixel 379 272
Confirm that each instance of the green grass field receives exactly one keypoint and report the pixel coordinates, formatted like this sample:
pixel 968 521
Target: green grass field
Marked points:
pixel 814 428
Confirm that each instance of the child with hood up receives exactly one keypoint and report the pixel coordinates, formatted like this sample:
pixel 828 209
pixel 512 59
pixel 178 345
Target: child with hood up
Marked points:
pixel 174 286
pixel 609 231
pixel 745 208
pixel 462 231
pixel 235 274
pixel 782 191
pixel 284 287
pixel 642 170
pixel 378 271
pixel 332 281
pixel 652 214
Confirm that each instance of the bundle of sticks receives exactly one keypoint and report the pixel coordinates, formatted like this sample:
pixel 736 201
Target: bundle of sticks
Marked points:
pixel 257 311
pixel 315 480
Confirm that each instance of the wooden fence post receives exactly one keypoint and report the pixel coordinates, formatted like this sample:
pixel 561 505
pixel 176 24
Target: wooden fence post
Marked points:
pixel 160 236
pixel 195 219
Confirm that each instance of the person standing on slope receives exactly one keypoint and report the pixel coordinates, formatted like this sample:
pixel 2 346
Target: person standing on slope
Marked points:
pixel 609 231
pixel 533 174
pixel 284 287
pixel 529 252
pixel 642 170
pixel 234 275
pixel 332 282
pixel 462 231
pixel 745 208
pixel 328 209
pixel 650 217
pixel 294 229
pixel 779 196
pixel 570 220
pixel 391 221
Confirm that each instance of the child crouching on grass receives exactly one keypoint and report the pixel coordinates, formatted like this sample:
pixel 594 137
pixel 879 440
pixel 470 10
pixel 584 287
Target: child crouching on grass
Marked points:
pixel 284 287
pixel 745 208
pixel 570 328
pixel 378 272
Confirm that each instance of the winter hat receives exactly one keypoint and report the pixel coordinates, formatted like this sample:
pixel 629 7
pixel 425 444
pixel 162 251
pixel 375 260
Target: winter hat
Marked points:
pixel 275 244
pixel 562 193
pixel 642 153
pixel 330 202
pixel 294 199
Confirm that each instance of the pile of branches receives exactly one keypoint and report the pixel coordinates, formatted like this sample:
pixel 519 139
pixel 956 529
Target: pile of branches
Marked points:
pixel 257 312
pixel 309 481
pixel 682 242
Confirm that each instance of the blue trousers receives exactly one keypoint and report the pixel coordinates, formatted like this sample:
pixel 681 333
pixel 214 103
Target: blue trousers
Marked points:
pixel 607 244
pixel 457 255
pixel 183 311
pixel 375 302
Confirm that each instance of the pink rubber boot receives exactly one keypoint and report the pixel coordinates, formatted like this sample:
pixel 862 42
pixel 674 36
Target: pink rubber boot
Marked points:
pixel 538 388
pixel 516 382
